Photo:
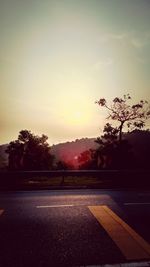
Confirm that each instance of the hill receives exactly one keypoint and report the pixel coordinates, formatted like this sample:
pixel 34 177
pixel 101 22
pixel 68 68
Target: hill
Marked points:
pixel 68 152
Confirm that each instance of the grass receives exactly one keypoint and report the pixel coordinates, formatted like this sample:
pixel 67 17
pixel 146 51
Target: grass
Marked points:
pixel 97 180
pixel 62 181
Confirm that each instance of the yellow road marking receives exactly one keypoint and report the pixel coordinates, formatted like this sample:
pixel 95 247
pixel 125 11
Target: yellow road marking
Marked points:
pixel 131 244
pixel 1 211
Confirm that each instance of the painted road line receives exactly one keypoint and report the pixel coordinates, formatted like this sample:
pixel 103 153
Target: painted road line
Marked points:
pixel 139 203
pixel 53 206
pixel 1 212
pixel 131 244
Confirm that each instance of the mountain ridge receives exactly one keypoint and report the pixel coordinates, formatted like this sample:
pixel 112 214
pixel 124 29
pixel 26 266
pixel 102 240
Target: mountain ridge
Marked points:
pixel 68 152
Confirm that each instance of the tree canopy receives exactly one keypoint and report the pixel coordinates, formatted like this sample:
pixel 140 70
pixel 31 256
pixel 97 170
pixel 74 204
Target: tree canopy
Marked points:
pixel 134 116
pixel 29 152
pixel 114 150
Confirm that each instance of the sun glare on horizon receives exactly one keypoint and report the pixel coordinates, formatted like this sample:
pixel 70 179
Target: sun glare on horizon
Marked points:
pixel 77 117
pixel 76 114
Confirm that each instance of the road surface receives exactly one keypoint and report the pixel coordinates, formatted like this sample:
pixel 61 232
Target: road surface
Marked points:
pixel 74 228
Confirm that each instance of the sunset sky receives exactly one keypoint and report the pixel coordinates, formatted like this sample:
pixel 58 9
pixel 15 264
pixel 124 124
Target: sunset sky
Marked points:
pixel 58 57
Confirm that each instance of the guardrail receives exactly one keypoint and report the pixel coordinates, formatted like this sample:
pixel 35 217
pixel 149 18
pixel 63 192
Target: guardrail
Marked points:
pixel 76 172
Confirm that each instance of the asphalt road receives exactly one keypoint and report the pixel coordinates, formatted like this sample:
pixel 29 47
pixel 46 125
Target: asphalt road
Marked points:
pixel 57 228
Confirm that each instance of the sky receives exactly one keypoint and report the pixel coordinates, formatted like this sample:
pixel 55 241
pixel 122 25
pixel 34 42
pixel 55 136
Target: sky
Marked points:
pixel 57 57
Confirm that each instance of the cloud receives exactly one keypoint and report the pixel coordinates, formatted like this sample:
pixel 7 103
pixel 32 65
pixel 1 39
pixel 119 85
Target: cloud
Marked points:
pixel 112 36
pixel 137 43
pixel 119 36
pixel 136 39
pixel 140 41
pixel 102 63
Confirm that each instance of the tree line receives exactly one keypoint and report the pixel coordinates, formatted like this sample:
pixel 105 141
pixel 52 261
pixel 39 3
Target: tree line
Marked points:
pixel 115 151
pixel 32 152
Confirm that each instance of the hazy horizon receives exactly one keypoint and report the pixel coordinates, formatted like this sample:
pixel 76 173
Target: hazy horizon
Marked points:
pixel 59 57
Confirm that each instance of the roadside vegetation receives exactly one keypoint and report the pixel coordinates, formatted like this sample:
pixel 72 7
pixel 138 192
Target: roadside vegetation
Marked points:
pixel 114 150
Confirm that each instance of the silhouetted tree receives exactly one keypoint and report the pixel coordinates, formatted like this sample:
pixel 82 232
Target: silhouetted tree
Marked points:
pixel 123 112
pixel 29 152
pixel 107 147
pixel 84 159
pixel 113 153
pixel 88 159
pixel 62 165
